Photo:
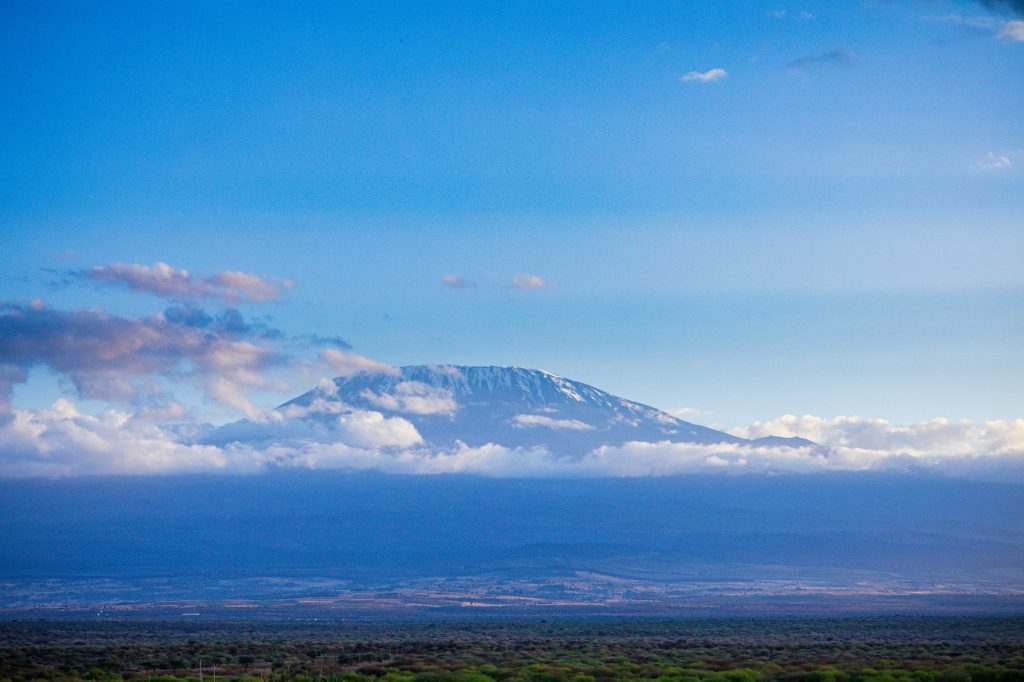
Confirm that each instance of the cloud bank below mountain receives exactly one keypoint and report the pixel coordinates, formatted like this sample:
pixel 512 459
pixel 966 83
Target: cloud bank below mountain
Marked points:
pixel 63 442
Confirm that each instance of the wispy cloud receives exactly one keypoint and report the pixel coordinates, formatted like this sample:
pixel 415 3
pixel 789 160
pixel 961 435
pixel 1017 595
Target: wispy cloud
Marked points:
pixel 782 14
pixel 1007 6
pixel 528 420
pixel 709 76
pixel 982 23
pixel 318 341
pixel 528 282
pixel 1012 30
pixel 161 279
pixel 838 57
pixel 494 282
pixel 343 363
pixel 687 412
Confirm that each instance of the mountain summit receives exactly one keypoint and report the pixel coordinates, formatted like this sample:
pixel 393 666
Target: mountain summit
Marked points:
pixel 444 405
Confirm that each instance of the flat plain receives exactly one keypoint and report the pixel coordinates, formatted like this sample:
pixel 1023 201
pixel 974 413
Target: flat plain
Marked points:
pixel 889 649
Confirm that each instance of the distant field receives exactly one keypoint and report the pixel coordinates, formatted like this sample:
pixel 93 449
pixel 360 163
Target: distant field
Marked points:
pixel 894 649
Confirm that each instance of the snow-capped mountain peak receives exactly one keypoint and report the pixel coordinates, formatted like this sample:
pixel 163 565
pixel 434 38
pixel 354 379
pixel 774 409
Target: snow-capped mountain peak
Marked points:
pixel 439 408
pixel 443 406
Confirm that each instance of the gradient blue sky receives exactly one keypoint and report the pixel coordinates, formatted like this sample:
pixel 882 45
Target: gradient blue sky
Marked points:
pixel 834 227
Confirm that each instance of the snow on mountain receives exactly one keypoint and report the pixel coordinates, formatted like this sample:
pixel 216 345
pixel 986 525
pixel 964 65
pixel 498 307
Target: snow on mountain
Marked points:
pixel 439 407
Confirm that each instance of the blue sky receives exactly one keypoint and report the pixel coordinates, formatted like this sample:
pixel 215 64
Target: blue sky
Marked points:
pixel 833 224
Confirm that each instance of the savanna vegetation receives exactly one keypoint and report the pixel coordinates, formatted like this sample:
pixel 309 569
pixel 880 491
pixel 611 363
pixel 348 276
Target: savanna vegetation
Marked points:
pixel 902 649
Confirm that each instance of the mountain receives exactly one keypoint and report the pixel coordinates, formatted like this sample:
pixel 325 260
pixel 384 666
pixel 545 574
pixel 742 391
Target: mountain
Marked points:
pixel 510 406
pixel 370 541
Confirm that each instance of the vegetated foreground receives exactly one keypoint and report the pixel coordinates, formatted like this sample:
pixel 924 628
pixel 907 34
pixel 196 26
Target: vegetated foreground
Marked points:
pixel 890 649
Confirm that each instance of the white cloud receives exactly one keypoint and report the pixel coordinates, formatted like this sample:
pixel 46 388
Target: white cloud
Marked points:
pixel 414 397
pixel 929 440
pixel 366 429
pixel 345 364
pixel 60 442
pixel 709 76
pixel 1012 30
pixel 528 420
pixel 527 281
pixel 326 386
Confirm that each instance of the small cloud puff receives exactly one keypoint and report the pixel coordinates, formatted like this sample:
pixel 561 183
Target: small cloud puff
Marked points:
pixel 457 282
pixel 709 76
pixel 993 162
pixel 368 429
pixel 528 282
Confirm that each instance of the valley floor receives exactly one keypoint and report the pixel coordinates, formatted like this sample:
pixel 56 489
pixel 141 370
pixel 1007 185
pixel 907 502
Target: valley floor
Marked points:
pixel 564 594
